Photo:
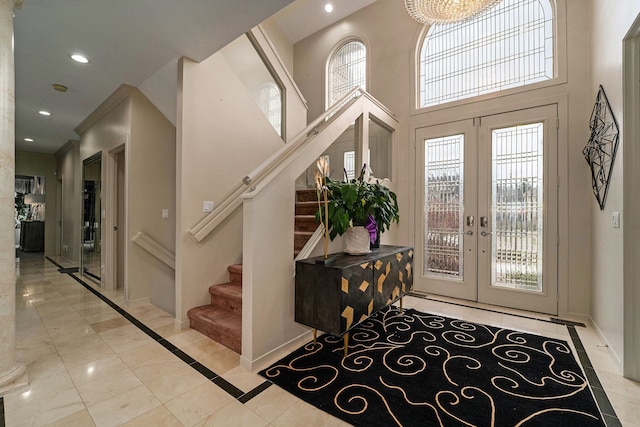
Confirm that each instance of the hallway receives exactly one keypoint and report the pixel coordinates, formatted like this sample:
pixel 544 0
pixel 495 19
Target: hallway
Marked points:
pixel 93 361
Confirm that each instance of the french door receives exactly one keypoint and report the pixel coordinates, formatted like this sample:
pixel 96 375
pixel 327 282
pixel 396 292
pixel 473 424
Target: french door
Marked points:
pixel 487 209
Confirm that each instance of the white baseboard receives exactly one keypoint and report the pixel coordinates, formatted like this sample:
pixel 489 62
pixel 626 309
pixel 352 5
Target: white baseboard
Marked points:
pixel 616 358
pixel 275 354
pixel 181 324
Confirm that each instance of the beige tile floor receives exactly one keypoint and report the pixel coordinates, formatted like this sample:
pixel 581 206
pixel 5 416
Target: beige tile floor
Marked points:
pixel 89 366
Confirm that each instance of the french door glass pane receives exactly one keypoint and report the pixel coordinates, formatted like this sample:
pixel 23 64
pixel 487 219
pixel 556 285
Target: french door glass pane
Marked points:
pixel 443 209
pixel 517 187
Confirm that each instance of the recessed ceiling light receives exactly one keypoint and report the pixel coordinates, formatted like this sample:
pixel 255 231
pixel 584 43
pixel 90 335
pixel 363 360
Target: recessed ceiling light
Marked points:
pixel 328 7
pixel 79 58
pixel 28 139
pixel 60 88
pixel 44 113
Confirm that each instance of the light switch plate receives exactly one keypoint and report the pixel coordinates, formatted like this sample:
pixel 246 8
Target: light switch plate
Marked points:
pixel 207 206
pixel 165 213
pixel 615 220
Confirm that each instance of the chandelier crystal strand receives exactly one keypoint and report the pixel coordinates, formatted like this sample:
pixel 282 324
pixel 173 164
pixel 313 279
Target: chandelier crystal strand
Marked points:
pixel 446 11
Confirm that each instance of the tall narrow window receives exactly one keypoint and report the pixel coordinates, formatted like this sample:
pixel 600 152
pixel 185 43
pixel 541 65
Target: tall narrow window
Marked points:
pixel 508 46
pixel 347 69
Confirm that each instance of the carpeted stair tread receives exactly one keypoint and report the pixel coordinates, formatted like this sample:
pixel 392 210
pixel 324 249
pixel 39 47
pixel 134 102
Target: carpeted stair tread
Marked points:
pixel 306 196
pixel 305 223
pixel 300 238
pixel 218 324
pixel 235 273
pixel 306 208
pixel 227 296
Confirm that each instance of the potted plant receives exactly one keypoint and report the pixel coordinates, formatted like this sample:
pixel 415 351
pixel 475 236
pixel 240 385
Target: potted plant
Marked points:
pixel 360 209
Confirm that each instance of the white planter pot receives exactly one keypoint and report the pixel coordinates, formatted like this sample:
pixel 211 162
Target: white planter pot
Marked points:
pixel 356 241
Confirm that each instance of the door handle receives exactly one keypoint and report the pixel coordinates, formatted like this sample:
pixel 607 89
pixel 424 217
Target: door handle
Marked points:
pixel 115 228
pixel 484 234
pixel 469 233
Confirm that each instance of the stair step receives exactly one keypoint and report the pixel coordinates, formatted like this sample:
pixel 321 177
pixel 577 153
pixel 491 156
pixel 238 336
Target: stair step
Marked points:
pixel 306 208
pixel 235 273
pixel 305 223
pixel 227 296
pixel 300 238
pixel 221 326
pixel 307 195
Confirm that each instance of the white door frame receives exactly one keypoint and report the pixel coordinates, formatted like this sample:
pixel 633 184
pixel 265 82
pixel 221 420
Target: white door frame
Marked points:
pixel 631 203
pixel 548 300
pixel 111 214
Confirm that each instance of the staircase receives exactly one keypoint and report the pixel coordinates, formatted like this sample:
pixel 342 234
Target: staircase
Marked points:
pixel 305 218
pixel 222 319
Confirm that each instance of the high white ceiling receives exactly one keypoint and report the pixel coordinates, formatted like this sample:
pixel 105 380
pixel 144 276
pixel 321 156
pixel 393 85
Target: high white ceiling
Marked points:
pixel 137 43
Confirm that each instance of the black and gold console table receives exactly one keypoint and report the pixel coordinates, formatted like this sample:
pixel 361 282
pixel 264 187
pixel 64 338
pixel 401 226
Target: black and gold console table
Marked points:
pixel 337 295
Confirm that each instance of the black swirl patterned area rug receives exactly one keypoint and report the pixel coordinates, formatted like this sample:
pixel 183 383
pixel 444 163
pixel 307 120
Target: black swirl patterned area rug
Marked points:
pixel 416 369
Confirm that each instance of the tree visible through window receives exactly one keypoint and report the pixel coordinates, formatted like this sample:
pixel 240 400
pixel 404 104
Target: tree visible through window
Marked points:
pixel 508 46
pixel 347 69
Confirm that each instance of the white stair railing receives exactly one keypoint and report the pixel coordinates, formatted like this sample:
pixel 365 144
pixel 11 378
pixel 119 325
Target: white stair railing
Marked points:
pixel 233 200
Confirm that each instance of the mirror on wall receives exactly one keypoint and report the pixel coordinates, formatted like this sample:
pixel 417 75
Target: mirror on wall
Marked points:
pixel 29 213
pixel 91 218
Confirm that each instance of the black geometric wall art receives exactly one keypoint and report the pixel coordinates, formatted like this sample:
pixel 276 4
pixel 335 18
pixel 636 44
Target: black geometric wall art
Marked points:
pixel 600 151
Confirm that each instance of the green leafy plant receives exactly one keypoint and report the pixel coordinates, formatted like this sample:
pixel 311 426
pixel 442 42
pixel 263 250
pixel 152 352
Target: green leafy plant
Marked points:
pixel 353 203
pixel 22 210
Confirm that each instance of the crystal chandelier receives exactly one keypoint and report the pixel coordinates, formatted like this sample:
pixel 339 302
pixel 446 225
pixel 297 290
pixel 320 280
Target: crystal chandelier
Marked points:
pixel 445 11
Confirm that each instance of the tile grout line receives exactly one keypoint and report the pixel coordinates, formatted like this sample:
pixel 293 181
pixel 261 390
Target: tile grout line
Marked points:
pixel 229 388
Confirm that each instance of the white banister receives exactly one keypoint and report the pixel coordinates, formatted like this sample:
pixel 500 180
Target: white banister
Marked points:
pixel 147 243
pixel 281 157
pixel 345 102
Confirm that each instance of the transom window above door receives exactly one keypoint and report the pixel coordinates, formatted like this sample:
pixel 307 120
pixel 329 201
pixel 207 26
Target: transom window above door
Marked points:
pixel 510 45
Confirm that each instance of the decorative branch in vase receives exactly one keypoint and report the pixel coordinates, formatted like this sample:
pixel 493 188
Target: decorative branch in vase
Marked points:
pixel 321 176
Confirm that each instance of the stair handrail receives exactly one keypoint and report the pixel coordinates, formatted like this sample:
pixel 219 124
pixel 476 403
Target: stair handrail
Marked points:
pixel 311 129
pixel 150 245
pixel 233 200
pixel 263 174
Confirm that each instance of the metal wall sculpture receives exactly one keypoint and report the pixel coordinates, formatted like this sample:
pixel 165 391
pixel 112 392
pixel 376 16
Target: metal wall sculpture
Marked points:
pixel 600 151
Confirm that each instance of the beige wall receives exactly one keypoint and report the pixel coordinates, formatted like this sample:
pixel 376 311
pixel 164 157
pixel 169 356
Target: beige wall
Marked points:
pixel 611 20
pixel 68 168
pixel 127 120
pixel 391 38
pixel 221 136
pixel 35 164
pixel 281 42
pixel 151 178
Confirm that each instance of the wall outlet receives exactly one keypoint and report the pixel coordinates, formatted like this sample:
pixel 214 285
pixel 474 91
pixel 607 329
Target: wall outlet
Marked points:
pixel 165 213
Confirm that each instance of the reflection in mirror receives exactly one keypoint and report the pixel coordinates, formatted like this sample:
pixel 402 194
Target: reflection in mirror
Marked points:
pixel 29 213
pixel 91 218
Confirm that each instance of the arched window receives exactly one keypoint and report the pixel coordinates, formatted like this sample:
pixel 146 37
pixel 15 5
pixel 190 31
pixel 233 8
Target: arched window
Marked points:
pixel 347 69
pixel 508 46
